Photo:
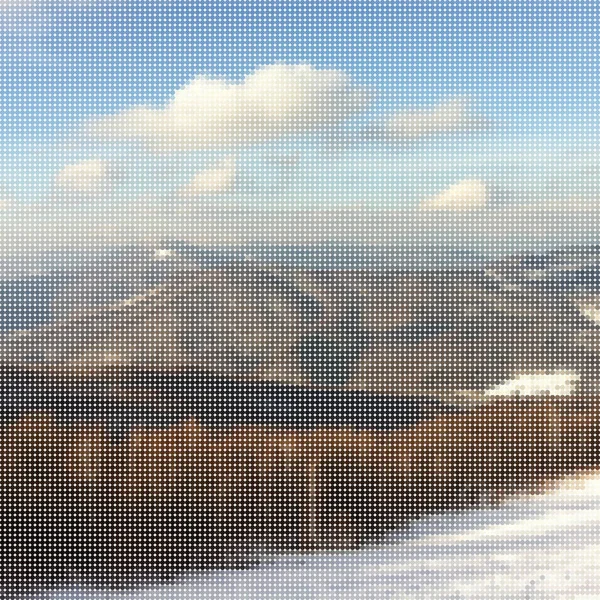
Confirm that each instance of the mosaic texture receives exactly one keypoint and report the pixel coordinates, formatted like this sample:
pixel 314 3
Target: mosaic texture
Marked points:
pixel 299 300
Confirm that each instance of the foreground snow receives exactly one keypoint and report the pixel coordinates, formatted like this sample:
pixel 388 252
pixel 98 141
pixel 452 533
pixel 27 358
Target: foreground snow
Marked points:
pixel 536 547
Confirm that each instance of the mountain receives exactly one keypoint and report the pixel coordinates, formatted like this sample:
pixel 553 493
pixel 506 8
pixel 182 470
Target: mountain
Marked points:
pixel 561 271
pixel 455 331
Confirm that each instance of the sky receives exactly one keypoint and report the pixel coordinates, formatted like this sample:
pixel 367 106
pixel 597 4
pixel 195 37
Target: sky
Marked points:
pixel 312 105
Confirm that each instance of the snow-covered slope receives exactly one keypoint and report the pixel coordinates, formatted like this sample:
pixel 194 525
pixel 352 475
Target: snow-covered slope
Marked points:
pixel 535 547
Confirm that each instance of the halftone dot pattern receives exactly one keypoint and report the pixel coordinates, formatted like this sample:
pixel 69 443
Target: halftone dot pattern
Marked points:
pixel 299 300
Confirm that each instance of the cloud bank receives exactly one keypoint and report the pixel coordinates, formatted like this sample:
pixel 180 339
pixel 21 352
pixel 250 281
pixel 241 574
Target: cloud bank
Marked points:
pixel 274 101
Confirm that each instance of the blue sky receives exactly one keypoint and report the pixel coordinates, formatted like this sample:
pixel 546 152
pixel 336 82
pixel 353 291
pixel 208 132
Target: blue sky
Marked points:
pixel 530 69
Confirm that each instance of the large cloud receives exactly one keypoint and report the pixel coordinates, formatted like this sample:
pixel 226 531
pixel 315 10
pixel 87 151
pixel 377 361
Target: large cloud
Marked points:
pixel 451 116
pixel 215 180
pixel 271 102
pixel 88 177
pixel 469 194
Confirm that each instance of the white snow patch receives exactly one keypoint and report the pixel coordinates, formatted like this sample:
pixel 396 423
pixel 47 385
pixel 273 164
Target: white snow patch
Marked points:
pixel 164 254
pixel 549 383
pixel 537 546
pixel 589 307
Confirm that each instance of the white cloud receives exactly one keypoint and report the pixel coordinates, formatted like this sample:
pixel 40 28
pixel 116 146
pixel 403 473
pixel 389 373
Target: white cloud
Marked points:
pixel 446 117
pixel 271 102
pixel 216 180
pixel 469 194
pixel 86 177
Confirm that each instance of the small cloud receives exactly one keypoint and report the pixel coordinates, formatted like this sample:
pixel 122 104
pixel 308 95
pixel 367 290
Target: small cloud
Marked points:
pixel 88 177
pixel 216 180
pixel 469 194
pixel 451 116
pixel 274 101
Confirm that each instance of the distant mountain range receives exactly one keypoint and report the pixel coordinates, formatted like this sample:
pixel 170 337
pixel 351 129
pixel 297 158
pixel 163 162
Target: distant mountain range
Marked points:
pixel 364 319
pixel 38 288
